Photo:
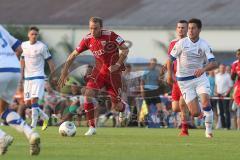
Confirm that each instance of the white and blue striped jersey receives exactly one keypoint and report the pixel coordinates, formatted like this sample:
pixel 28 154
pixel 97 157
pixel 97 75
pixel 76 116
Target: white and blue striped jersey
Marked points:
pixel 8 59
pixel 190 56
pixel 34 56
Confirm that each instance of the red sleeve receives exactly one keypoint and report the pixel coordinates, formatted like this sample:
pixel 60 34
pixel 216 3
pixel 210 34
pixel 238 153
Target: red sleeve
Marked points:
pixel 170 47
pixel 233 69
pixel 82 46
pixel 117 39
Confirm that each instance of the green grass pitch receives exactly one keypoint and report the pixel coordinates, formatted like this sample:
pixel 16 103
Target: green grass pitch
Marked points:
pixel 128 144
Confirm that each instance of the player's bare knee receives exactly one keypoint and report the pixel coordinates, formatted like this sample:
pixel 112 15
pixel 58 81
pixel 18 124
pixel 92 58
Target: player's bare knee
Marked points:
pixel 195 113
pixel 176 109
pixel 175 106
pixel 89 95
pixel 28 103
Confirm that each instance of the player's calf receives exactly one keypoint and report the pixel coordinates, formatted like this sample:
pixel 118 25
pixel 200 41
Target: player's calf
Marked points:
pixel 208 116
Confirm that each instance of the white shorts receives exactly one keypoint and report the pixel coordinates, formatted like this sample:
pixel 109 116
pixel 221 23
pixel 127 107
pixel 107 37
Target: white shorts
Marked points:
pixel 8 85
pixel 33 89
pixel 192 88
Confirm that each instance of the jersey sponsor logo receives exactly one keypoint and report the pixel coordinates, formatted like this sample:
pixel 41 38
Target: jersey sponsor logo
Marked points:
pixel 119 40
pixel 3 42
pixel 200 51
pixel 98 52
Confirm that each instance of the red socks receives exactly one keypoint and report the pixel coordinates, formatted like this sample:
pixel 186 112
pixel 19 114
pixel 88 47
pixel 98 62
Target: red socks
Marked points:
pixel 184 126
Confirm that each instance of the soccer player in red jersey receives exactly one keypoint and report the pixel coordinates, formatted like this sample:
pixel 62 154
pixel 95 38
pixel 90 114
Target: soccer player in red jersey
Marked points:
pixel 178 103
pixel 235 71
pixel 235 74
pixel 110 51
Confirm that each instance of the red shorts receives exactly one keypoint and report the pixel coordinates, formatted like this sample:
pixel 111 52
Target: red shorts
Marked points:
pixel 112 82
pixel 176 93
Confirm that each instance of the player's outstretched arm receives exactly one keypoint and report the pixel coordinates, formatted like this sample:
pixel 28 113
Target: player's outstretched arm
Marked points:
pixel 122 57
pixel 169 71
pixel 66 67
pixel 18 51
pixel 123 53
pixel 51 65
pixel 22 63
pixel 210 66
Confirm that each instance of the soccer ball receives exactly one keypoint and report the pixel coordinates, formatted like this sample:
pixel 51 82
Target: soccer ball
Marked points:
pixel 67 129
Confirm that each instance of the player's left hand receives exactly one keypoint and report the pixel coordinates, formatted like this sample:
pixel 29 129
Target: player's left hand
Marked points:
pixel 199 72
pixel 113 68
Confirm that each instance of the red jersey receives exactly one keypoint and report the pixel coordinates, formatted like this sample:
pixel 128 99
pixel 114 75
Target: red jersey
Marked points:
pixel 104 48
pixel 236 70
pixel 176 93
pixel 171 45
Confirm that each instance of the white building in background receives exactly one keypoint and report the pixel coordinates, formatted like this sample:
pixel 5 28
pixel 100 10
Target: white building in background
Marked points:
pixel 146 42
pixel 59 18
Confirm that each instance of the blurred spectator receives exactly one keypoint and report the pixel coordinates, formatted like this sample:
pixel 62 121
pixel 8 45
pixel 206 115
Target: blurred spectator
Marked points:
pixel 150 87
pixel 131 90
pixel 53 104
pixel 224 86
pixel 75 101
pixel 228 69
pixel 235 74
pixel 211 78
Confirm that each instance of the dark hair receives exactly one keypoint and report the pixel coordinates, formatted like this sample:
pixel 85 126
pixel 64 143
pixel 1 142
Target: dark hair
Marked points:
pixel 196 21
pixel 96 20
pixel 33 28
pixel 182 21
pixel 154 59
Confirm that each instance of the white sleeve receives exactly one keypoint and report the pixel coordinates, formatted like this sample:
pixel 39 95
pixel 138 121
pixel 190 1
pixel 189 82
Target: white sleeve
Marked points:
pixel 176 51
pixel 46 53
pixel 12 41
pixel 209 53
pixel 23 53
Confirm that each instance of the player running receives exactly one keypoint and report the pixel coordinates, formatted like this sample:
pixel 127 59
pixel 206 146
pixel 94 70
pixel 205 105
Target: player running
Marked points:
pixel 191 54
pixel 35 53
pixel 235 74
pixel 9 79
pixel 110 52
pixel 178 103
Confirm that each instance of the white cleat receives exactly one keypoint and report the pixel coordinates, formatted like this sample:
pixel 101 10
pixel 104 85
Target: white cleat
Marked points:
pixel 121 117
pixel 34 141
pixel 91 131
pixel 208 135
pixel 5 142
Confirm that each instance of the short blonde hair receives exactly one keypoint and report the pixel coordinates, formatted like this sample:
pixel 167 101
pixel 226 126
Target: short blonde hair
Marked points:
pixel 96 20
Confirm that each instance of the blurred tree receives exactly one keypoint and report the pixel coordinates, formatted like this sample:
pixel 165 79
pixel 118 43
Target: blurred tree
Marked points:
pixel 66 45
